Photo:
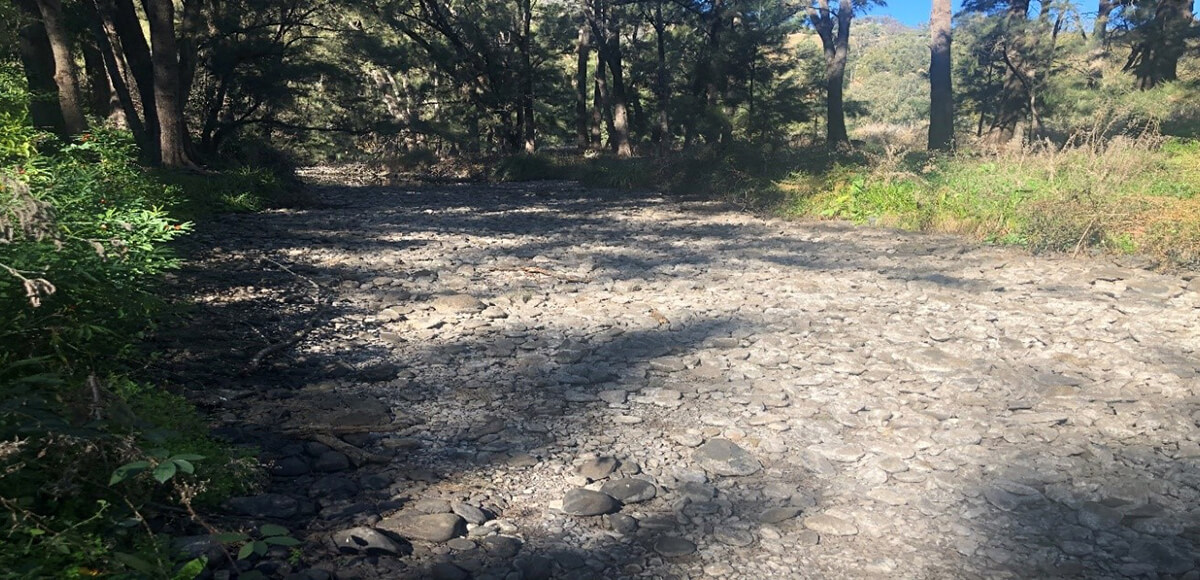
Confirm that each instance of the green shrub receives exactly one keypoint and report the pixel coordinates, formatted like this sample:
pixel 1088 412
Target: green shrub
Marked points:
pixel 534 167
pixel 83 241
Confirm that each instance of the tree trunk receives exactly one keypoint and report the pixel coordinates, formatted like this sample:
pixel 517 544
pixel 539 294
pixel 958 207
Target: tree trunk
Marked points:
pixel 604 100
pixel 836 45
pixel 619 98
pixel 1013 95
pixel 116 75
pixel 583 48
pixel 662 83
pixel 121 18
pixel 527 121
pixel 1163 41
pixel 66 74
pixel 165 56
pixel 941 92
pixel 38 61
pixel 836 76
pixel 101 100
pixel 1098 44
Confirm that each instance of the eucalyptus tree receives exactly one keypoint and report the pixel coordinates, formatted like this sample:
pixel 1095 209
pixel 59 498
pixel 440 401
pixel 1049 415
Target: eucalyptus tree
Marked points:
pixel 833 26
pixel 941 91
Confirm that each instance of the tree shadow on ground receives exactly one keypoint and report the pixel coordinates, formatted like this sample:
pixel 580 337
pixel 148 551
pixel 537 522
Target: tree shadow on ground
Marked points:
pixel 470 416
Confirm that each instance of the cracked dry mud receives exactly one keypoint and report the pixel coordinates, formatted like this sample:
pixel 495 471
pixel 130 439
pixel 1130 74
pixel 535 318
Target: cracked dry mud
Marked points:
pixel 806 400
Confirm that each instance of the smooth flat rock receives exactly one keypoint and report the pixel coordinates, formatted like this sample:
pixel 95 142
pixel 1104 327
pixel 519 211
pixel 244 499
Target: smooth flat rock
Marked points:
pixel 673 546
pixel 828 525
pixel 724 457
pixel 434 528
pixel 629 490
pixel 585 502
pixel 598 468
pixel 367 541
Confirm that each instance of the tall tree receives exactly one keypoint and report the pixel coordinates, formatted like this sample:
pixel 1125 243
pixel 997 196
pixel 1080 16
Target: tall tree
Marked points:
pixel 1160 33
pixel 1098 43
pixel 833 26
pixel 167 100
pixel 37 60
pixel 66 73
pixel 583 49
pixel 941 92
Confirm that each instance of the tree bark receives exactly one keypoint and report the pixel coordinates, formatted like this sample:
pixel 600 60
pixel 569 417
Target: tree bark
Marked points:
pixel 1098 43
pixel 120 16
pixel 66 74
pixel 836 45
pixel 1154 59
pixel 37 60
pixel 528 136
pixel 662 83
pixel 165 57
pixel 603 103
pixel 620 107
pixel 116 75
pixel 1013 94
pixel 582 48
pixel 941 92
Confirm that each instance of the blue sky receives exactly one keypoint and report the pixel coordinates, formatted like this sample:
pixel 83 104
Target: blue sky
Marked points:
pixel 910 12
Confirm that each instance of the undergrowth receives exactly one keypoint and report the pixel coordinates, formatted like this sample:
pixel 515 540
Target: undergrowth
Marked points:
pixel 1124 195
pixel 84 235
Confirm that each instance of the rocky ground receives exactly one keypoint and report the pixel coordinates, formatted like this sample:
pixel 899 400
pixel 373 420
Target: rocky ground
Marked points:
pixel 538 380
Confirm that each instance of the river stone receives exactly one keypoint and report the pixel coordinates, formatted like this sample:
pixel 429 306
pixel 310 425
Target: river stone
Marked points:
pixel 598 468
pixel 468 512
pixel 267 505
pixel 724 457
pixel 673 547
pixel 630 490
pixel 434 528
pixel 332 461
pixel 1098 516
pixel 585 502
pixel 1165 559
pixel 457 304
pixel 778 514
pixel 828 525
pixel 623 524
pixel 501 546
pixel 448 571
pixel 368 541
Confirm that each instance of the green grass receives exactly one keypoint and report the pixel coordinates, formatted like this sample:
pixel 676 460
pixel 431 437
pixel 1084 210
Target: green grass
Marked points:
pixel 235 190
pixel 1127 195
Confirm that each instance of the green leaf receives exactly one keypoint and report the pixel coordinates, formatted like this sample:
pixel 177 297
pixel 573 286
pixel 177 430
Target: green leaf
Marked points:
pixel 187 457
pixel 135 563
pixel 252 575
pixel 260 547
pixel 128 470
pixel 273 530
pixel 230 537
pixel 164 471
pixel 184 465
pixel 282 541
pixel 192 569
pixel 246 551
pixel 158 453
